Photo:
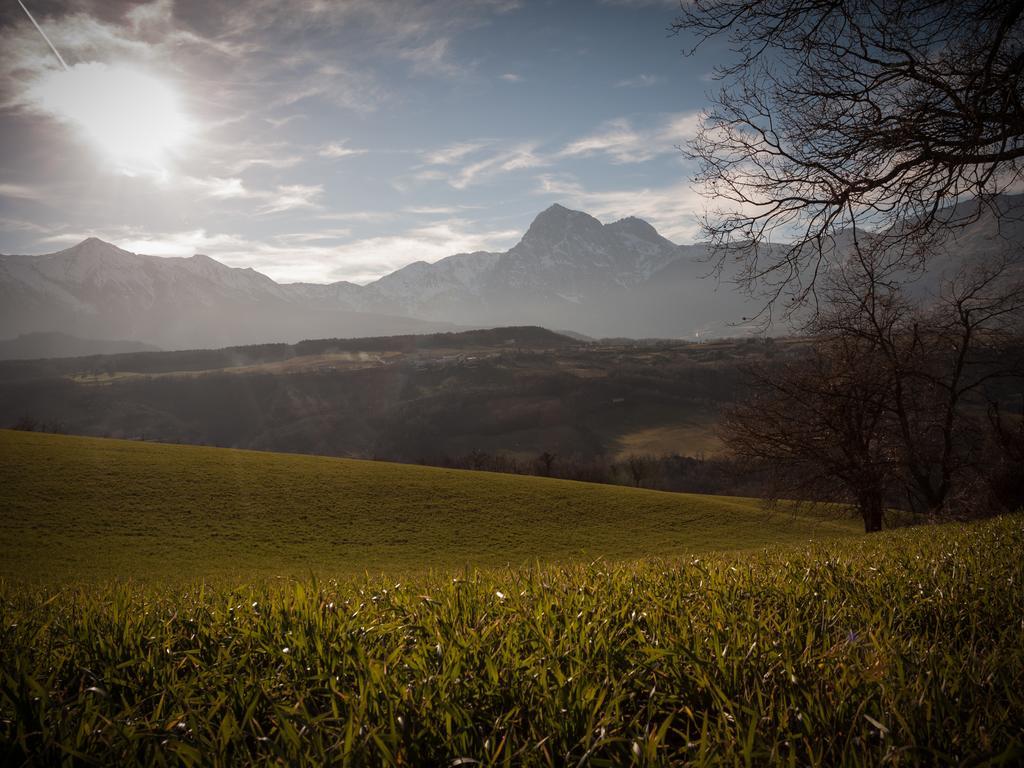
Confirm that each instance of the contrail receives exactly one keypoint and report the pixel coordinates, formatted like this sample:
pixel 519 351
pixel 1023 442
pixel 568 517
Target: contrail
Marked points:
pixel 52 46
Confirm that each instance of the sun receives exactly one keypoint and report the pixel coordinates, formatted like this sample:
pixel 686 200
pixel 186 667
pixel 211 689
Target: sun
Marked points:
pixel 133 118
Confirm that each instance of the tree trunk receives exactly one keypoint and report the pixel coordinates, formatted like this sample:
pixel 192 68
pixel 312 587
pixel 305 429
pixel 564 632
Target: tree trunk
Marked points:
pixel 871 506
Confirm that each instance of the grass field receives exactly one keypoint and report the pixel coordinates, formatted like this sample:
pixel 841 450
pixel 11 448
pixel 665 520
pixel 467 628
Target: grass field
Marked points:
pixel 695 439
pixel 170 605
pixel 903 648
pixel 83 508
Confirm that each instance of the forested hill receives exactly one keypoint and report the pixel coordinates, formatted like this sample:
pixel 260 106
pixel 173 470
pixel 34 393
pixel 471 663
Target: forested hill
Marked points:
pixel 521 337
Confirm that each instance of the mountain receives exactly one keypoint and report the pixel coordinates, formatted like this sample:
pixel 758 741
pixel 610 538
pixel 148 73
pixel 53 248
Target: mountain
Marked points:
pixel 569 271
pixel 97 290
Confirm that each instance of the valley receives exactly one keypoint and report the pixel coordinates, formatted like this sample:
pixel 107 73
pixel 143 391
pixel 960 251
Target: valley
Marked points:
pixel 518 392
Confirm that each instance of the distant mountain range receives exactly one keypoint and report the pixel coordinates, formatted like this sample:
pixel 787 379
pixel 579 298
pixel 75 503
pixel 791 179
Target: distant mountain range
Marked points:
pixel 568 272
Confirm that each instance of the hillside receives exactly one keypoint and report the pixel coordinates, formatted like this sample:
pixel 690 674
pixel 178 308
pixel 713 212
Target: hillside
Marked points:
pixel 254 355
pixel 93 508
pixel 512 391
pixel 902 648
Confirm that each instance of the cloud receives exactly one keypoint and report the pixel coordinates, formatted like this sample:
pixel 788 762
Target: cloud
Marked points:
pixel 8 225
pixel 640 81
pixel 368 259
pixel 218 188
pixel 435 210
pixel 280 122
pixel 453 153
pixel 478 165
pixel 363 216
pixel 432 59
pixel 22 192
pixel 674 210
pixel 622 143
pixel 511 77
pixel 337 149
pixel 302 238
pixel 479 160
pixel 288 197
pixel 277 156
pixel 284 197
pixel 515 158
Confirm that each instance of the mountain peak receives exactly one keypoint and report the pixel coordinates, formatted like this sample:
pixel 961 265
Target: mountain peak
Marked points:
pixel 94 244
pixel 557 221
pixel 94 249
pixel 632 225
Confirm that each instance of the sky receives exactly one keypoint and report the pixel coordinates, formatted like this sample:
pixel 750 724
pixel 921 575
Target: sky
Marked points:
pixel 324 140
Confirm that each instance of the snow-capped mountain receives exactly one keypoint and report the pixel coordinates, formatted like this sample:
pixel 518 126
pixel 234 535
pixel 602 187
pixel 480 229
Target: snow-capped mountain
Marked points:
pixel 97 290
pixel 569 271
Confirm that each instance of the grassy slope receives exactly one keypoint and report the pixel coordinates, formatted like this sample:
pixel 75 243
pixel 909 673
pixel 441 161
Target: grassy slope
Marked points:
pixel 900 649
pixel 73 507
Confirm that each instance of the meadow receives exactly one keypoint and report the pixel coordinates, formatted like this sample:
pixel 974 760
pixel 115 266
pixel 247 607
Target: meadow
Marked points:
pixel 903 648
pixel 77 508
pixel 186 606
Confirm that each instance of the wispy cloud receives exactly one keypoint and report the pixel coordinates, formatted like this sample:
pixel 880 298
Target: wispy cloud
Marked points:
pixel 360 216
pixel 240 158
pixel 218 188
pixel 511 77
pixel 622 143
pixel 22 192
pixel 640 81
pixel 368 259
pixel 433 58
pixel 453 153
pixel 434 210
pixel 288 197
pixel 338 149
pixel 516 158
pixel 618 140
pixel 284 197
pixel 479 160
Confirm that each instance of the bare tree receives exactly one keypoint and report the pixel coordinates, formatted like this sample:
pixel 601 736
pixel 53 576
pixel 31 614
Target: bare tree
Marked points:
pixel 942 354
pixel 819 423
pixel 845 115
pixel 546 463
pixel 639 468
pixel 892 397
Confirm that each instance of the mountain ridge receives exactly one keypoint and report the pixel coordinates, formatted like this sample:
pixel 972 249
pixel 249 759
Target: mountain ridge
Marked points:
pixel 565 272
pixel 568 271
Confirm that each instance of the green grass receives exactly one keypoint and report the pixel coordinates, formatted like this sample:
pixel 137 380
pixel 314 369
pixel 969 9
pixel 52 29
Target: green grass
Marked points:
pixel 903 648
pixel 74 508
pixel 126 638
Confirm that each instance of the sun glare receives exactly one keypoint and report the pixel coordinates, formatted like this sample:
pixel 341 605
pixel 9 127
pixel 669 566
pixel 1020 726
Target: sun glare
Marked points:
pixel 133 118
